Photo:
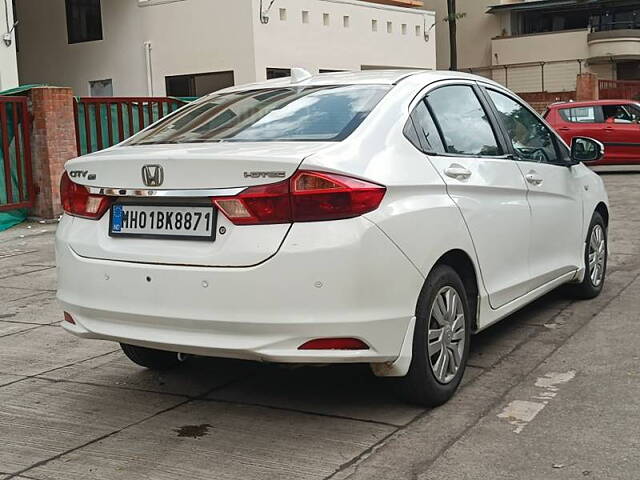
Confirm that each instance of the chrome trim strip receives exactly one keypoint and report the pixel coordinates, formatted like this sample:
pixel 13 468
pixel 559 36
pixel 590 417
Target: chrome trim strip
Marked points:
pixel 141 192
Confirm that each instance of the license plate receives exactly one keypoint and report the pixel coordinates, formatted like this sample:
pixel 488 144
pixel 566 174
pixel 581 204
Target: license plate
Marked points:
pixel 187 222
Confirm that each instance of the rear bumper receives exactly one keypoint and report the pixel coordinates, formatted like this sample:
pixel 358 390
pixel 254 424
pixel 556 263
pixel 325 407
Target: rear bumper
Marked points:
pixel 331 279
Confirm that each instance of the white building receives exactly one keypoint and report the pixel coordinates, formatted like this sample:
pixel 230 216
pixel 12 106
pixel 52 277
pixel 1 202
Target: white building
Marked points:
pixel 192 47
pixel 8 63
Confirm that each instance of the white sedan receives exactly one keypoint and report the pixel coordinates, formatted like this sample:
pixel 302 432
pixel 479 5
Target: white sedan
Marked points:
pixel 375 217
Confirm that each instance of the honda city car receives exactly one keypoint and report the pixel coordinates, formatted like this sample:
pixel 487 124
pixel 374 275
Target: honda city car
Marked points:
pixel 370 217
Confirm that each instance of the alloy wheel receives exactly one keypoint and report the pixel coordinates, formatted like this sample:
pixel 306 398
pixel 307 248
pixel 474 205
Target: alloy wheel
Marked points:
pixel 597 255
pixel 446 334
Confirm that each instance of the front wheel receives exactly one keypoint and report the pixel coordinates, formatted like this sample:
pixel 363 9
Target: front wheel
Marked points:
pixel 441 340
pixel 595 260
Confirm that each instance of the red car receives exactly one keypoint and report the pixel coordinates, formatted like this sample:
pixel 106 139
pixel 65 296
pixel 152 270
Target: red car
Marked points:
pixel 615 123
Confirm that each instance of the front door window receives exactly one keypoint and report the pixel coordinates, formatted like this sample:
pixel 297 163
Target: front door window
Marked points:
pixel 531 139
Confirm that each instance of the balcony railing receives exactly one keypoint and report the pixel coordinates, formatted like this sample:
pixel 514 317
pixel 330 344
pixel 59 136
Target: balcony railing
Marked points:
pixel 607 27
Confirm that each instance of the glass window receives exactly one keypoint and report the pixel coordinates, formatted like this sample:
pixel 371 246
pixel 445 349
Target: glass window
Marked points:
pixel 84 20
pixel 463 122
pixel 531 139
pixel 427 130
pixel 276 114
pixel 620 113
pixel 579 115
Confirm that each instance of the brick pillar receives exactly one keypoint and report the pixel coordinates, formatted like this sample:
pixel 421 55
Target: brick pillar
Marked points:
pixel 53 142
pixel 587 87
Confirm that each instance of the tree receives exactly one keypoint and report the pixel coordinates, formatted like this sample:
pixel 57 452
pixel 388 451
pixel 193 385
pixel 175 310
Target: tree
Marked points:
pixel 452 18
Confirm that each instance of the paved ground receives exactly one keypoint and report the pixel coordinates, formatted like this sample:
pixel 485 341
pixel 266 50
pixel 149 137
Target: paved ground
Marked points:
pixel 552 393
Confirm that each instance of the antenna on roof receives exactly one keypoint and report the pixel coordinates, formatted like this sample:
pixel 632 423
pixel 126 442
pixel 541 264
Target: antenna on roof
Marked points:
pixel 299 75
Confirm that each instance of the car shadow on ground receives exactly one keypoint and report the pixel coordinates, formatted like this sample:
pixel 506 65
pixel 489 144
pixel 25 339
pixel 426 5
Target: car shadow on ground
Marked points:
pixel 349 391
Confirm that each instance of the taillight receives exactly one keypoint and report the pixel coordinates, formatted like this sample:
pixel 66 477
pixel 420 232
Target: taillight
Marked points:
pixel 77 201
pixel 306 197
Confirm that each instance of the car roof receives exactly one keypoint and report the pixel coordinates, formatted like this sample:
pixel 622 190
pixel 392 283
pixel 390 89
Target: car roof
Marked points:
pixel 591 103
pixel 366 77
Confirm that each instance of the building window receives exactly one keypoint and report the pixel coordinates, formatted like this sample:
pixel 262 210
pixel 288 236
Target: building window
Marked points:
pixel 345 21
pixel 418 30
pixel 84 20
pixel 389 27
pixel 198 84
pixel 374 25
pixel 278 73
pixel 101 88
pixel 283 14
pixel 325 19
pixel 404 28
pixel 305 16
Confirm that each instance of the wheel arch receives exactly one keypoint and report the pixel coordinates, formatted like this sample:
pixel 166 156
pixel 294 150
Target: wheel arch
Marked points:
pixel 602 209
pixel 462 263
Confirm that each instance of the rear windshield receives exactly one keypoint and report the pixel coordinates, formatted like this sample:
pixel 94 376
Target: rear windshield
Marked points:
pixel 266 115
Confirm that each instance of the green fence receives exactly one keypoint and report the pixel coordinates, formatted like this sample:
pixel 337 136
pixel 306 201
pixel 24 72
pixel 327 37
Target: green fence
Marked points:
pixel 105 121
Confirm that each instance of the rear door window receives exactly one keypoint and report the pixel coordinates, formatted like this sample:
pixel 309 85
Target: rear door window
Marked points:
pixel 589 114
pixel 463 122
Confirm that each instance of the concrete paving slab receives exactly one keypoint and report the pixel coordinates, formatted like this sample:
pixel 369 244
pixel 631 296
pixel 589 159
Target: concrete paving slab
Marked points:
pixel 585 421
pixel 5 378
pixel 9 328
pixel 12 294
pixel 195 377
pixel 41 308
pixel 350 391
pixel 205 440
pixel 44 279
pixel 42 349
pixel 40 419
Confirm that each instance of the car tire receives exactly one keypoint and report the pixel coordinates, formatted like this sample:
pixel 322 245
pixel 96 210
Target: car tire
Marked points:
pixel 150 357
pixel 596 266
pixel 428 382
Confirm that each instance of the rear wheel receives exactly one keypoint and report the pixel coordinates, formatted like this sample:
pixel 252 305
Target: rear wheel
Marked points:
pixel 150 357
pixel 441 340
pixel 595 260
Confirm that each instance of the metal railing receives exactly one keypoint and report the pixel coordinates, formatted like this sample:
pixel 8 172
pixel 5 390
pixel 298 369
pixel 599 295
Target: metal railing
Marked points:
pixel 552 76
pixel 619 89
pixel 105 121
pixel 16 181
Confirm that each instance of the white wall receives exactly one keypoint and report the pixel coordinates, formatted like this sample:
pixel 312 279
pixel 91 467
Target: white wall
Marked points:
pixel 202 36
pixel 46 57
pixel 315 46
pixel 8 62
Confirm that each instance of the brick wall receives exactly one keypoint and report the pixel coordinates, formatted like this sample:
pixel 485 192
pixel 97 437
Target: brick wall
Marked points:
pixel 53 142
pixel 541 100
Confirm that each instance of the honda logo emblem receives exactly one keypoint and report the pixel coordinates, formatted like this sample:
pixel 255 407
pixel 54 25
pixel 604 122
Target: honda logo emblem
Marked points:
pixel 152 175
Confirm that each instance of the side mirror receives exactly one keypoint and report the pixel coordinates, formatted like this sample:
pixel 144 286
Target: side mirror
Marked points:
pixel 586 150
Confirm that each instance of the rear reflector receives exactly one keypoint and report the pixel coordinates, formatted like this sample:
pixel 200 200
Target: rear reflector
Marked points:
pixel 334 344
pixel 69 318
pixel 306 197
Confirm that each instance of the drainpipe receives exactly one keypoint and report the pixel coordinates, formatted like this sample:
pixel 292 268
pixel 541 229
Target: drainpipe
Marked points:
pixel 147 57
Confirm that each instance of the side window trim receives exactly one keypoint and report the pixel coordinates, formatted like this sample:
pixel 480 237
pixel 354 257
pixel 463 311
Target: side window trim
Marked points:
pixel 498 137
pixel 511 149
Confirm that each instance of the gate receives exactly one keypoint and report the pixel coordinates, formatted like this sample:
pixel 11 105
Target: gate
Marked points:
pixel 105 121
pixel 619 90
pixel 16 183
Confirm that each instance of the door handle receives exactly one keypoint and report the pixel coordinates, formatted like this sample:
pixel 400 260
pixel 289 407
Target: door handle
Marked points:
pixel 533 178
pixel 564 129
pixel 457 171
